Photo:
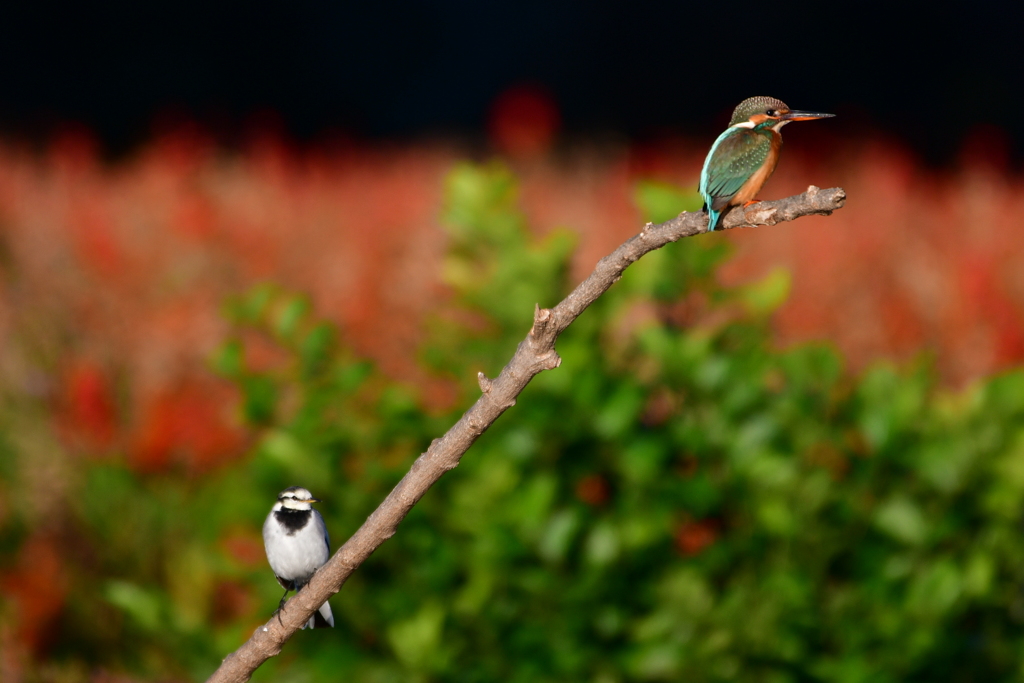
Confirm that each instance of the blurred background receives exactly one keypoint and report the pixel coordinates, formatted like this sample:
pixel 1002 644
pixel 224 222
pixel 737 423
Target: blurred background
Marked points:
pixel 245 247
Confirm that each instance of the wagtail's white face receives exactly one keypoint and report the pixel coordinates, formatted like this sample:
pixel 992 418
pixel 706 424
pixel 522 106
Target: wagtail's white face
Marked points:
pixel 295 498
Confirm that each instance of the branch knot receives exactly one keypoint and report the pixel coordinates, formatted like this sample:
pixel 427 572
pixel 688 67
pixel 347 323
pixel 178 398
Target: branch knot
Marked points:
pixel 542 319
pixel 484 382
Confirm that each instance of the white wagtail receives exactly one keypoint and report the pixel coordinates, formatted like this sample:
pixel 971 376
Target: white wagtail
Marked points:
pixel 297 544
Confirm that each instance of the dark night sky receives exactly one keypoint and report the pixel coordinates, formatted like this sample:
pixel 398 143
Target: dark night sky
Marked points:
pixel 402 70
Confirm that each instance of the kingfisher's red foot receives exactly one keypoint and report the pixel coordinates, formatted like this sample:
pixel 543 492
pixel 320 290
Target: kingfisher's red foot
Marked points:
pixel 752 201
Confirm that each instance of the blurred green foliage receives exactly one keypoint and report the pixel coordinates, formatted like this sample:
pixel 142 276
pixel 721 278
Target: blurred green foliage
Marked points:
pixel 677 501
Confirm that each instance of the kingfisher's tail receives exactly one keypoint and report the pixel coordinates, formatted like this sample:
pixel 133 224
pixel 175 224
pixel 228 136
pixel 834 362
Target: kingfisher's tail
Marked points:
pixel 713 218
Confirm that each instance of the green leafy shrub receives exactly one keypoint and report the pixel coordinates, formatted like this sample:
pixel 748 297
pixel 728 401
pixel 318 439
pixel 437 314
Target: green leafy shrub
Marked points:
pixel 677 501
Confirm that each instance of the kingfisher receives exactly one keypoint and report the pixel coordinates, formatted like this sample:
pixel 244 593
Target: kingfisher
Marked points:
pixel 744 156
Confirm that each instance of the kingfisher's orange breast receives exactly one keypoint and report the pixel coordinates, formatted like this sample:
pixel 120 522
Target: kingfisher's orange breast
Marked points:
pixel 748 191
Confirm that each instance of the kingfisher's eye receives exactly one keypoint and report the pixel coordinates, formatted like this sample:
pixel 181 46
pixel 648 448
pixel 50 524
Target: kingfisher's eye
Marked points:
pixel 771 112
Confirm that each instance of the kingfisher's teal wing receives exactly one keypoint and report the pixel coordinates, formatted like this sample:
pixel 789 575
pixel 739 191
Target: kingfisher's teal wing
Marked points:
pixel 735 156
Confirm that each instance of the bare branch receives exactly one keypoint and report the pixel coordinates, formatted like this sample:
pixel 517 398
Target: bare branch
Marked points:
pixel 535 354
